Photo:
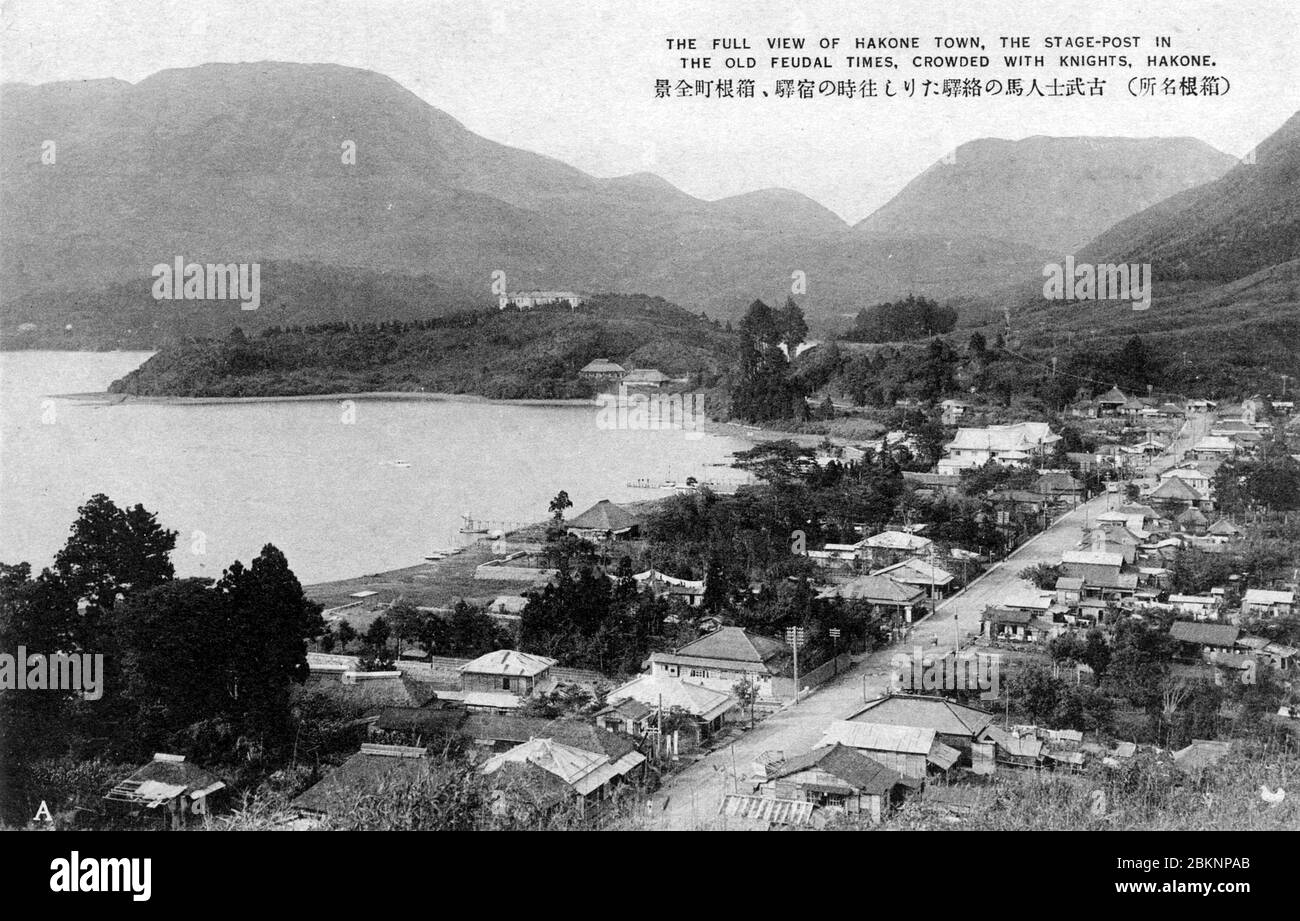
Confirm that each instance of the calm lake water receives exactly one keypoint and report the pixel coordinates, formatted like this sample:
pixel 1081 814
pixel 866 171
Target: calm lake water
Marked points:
pixel 339 499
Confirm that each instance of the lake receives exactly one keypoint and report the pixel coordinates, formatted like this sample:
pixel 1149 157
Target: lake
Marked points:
pixel 342 490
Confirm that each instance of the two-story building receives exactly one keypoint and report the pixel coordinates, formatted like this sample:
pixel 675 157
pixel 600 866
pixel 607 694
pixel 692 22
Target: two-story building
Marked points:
pixel 502 680
pixel 721 659
pixel 1014 444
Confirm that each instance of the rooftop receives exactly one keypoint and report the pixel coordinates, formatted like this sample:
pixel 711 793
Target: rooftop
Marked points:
pixel 604 516
pixel 897 540
pixel 1176 489
pixel 362 773
pixel 656 689
pixel 1264 596
pixel 875 589
pixel 734 644
pixel 645 376
pixel 881 737
pixel 1092 558
pixel 1203 634
pixel 846 764
pixel 508 662
pixel 935 713
pixel 162 780
pixel 602 366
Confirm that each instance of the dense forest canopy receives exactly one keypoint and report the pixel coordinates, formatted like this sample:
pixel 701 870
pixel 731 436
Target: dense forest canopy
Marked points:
pixel 911 318
pixel 503 354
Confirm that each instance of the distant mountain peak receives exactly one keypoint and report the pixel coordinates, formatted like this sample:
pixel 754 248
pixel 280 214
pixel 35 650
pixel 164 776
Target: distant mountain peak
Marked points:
pixel 1054 193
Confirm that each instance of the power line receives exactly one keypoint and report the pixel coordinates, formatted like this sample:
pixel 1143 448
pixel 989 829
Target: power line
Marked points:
pixel 1052 368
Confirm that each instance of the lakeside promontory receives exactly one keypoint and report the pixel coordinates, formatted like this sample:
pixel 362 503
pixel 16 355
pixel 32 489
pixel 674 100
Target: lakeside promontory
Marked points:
pixel 500 354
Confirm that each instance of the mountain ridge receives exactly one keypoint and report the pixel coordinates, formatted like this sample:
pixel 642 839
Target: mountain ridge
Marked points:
pixel 245 162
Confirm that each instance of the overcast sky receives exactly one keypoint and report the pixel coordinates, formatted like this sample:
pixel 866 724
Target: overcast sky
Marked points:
pixel 574 79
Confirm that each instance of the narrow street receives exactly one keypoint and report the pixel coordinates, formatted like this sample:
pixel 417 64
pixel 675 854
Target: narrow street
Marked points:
pixel 690 799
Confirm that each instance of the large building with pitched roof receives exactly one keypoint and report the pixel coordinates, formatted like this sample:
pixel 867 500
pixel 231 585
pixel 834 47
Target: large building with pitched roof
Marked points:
pixel 661 693
pixel 601 370
pixel 908 750
pixel 954 724
pixel 1175 491
pixel 501 680
pixel 886 597
pixel 588 773
pixel 720 659
pixel 1006 444
pixel 604 521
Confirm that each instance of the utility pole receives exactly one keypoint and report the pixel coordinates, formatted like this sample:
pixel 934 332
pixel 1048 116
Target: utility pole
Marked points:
pixel 659 736
pixel 795 637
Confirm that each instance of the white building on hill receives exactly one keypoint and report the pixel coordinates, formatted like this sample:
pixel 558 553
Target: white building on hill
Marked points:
pixel 527 299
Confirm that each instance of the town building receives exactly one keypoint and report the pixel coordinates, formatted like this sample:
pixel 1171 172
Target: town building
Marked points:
pixel 1213 447
pixel 905 750
pixel 1225 531
pixel 439 720
pixel 1197 639
pixel 889 547
pixel 502 680
pixel 589 776
pixel 338 792
pixel 1259 602
pixel 1198 607
pixel 956 725
pixel 1192 520
pixel 1175 493
pixel 1198 478
pixel 1093 566
pixel 1059 485
pixel 842 777
pixel 926 576
pixel 169 790
pixel 664 693
pixel 604 521
pixel 601 370
pixel 952 410
pixel 884 597
pixel 1009 624
pixel 1014 444
pixel 933 483
pixel 721 659
pixel 1112 402
pixel 651 378
pixel 628 716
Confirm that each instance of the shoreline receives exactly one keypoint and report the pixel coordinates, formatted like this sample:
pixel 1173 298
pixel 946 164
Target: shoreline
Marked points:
pixel 444 581
pixel 114 399
pixel 754 434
